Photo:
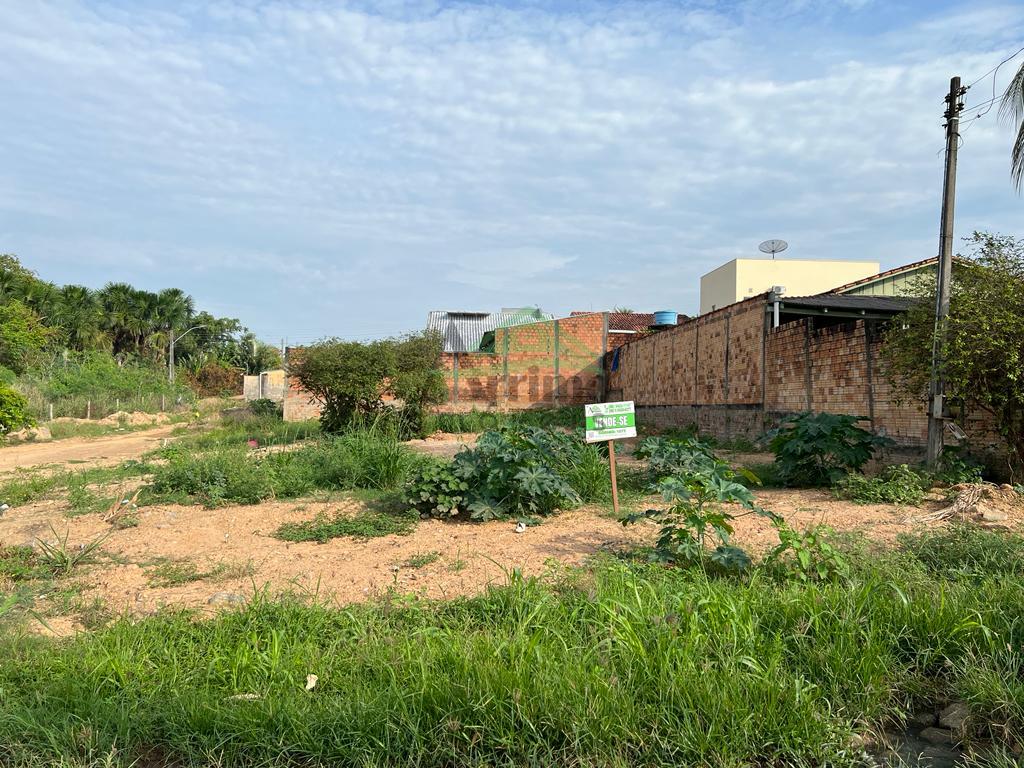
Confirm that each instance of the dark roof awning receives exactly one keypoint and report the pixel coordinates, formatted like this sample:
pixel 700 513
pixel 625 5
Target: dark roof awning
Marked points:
pixel 842 306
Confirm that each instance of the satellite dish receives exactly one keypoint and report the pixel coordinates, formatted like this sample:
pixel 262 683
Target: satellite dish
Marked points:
pixel 773 247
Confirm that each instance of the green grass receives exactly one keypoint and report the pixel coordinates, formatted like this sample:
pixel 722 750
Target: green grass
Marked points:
pixel 369 524
pixel 263 430
pixel 172 573
pixel 621 665
pixel 28 486
pixel 421 559
pixel 359 459
pixel 570 416
pixel 61 430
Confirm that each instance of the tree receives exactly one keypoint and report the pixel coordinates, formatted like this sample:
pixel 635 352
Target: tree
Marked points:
pixel 984 353
pixel 22 336
pixel 418 379
pixel 347 378
pixel 14 412
pixel 1012 110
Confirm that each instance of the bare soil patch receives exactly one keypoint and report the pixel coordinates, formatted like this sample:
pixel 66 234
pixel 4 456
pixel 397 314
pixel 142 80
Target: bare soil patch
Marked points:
pixel 234 553
pixel 83 451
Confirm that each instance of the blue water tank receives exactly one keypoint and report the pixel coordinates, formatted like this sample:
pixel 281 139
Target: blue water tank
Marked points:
pixel 665 318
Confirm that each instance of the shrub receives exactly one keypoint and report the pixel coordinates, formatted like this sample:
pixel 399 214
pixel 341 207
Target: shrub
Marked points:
pixel 895 485
pixel 816 449
pixel 345 377
pixel 511 471
pixel 698 515
pixel 676 455
pixel 214 478
pixel 14 413
pixel 808 554
pixel 264 407
pixel 215 380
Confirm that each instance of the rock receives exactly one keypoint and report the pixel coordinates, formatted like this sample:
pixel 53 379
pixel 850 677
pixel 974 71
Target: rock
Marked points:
pixel 992 516
pixel 520 527
pixel 955 716
pixel 937 736
pixel 925 719
pixel 226 598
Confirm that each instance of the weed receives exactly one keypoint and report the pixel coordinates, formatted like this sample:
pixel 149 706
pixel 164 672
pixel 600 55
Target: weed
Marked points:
pixel 512 471
pixel 810 554
pixel 965 549
pixel 819 449
pixel 895 485
pixel 172 573
pixel 619 665
pixel 421 559
pixel 60 559
pixel 366 525
pixel 570 417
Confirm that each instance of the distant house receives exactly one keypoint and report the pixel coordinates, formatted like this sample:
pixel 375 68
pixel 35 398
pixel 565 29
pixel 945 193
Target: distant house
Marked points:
pixel 892 282
pixel 464 331
pixel 624 326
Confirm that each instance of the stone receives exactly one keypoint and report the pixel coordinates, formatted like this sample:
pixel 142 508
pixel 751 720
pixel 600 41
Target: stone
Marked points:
pixel 937 736
pixel 925 718
pixel 955 716
pixel 226 598
pixel 992 516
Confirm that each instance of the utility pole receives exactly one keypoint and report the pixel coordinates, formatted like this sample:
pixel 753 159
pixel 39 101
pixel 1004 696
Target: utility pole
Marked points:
pixel 170 359
pixel 937 389
pixel 170 351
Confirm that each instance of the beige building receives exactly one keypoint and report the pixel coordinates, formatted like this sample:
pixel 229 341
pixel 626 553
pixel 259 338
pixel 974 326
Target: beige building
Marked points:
pixel 742 278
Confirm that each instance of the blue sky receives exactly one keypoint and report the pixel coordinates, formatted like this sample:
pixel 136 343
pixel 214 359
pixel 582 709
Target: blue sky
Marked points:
pixel 341 168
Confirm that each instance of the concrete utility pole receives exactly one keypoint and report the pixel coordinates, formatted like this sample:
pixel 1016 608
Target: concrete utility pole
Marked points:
pixel 170 351
pixel 937 390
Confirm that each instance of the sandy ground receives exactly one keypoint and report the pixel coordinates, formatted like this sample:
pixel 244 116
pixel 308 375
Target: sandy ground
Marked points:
pixel 470 556
pixel 83 451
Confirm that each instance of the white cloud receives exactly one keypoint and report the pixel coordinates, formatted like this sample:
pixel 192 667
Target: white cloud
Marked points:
pixel 431 154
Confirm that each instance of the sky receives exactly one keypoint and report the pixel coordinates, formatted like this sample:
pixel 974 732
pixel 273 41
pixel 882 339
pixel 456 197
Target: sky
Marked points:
pixel 341 168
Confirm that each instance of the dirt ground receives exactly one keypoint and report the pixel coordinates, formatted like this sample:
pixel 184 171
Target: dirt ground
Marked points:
pixel 83 451
pixel 467 556
pixel 235 548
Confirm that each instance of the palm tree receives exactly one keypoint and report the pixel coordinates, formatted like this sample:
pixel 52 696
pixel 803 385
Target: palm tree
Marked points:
pixel 1012 110
pixel 80 316
pixel 120 308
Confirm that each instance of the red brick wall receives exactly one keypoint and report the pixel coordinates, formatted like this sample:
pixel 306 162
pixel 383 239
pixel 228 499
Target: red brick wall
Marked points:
pixel 521 372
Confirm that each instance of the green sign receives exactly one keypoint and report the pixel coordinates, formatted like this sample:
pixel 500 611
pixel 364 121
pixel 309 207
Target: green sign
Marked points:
pixel 610 421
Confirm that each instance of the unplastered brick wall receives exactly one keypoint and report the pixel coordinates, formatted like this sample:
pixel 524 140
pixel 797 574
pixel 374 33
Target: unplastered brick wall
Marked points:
pixel 714 359
pixel 549 363
pixel 732 375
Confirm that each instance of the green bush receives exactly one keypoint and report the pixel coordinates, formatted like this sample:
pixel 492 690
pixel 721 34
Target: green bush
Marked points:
pixel 14 413
pixel 569 416
pixel 227 475
pixel 512 471
pixel 356 459
pixel 264 407
pixel 681 454
pixel 816 449
pixel 898 484
pixel 701 490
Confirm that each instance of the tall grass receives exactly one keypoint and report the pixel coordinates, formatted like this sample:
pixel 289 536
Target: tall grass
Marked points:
pixel 569 416
pixel 263 430
pixel 624 666
pixel 370 458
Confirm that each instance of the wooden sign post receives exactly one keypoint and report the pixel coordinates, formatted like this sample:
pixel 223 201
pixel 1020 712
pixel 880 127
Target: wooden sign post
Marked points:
pixel 611 422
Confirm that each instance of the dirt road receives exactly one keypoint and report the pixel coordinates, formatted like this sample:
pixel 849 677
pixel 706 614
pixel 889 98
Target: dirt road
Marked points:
pixel 93 451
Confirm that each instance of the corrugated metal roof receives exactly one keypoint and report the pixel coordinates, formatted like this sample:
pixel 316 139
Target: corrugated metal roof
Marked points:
pixel 463 331
pixel 849 303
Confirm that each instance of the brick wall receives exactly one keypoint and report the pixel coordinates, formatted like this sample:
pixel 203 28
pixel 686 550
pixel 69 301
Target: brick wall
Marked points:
pixel 732 375
pixel 548 363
